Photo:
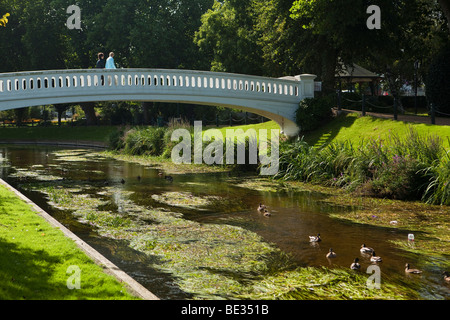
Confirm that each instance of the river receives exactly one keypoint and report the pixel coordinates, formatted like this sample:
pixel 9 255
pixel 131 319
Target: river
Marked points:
pixel 295 215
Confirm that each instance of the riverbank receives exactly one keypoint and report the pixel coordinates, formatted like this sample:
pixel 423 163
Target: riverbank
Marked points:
pixel 40 262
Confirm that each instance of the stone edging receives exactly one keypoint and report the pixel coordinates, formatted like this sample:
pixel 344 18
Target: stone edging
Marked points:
pixel 136 288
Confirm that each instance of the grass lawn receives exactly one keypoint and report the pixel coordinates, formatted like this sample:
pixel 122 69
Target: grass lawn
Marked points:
pixel 35 257
pixel 64 133
pixel 355 129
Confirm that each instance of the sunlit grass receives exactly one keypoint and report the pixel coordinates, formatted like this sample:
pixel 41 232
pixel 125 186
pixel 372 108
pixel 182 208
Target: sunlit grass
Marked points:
pixel 357 130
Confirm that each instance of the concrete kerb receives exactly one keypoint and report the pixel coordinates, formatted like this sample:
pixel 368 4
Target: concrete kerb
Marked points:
pixel 136 288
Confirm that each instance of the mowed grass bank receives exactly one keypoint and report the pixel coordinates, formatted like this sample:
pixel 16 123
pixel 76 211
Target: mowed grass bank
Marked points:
pixel 357 130
pixel 35 257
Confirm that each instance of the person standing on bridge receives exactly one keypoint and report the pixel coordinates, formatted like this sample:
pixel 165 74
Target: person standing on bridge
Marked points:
pixel 110 61
pixel 101 61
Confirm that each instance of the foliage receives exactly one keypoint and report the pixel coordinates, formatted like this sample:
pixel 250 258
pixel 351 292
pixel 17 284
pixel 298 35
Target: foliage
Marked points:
pixel 146 35
pixel 227 38
pixel 314 111
pixel 412 167
pixel 4 20
pixel 145 141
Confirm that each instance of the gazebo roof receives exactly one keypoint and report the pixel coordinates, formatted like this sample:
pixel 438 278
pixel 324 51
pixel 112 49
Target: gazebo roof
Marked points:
pixel 355 73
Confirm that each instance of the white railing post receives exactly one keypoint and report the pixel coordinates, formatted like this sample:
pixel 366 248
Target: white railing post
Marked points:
pixel 306 85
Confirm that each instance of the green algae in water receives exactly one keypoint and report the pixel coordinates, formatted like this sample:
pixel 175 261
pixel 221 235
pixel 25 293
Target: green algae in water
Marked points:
pixel 185 199
pixel 209 261
pixel 79 155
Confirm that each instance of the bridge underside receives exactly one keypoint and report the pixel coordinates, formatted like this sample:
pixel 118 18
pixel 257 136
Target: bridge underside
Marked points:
pixel 287 126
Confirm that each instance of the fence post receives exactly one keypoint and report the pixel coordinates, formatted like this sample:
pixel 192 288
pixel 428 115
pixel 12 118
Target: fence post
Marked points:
pixel 395 108
pixel 363 107
pixel 433 118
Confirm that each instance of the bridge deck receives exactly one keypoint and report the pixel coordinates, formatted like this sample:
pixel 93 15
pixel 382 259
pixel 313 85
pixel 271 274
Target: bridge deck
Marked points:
pixel 276 99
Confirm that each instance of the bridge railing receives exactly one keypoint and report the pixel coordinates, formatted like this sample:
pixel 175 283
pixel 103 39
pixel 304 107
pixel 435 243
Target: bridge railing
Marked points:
pixel 62 81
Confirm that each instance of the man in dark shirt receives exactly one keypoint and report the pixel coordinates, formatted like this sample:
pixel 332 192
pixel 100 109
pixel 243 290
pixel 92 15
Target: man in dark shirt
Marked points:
pixel 101 61
pixel 101 65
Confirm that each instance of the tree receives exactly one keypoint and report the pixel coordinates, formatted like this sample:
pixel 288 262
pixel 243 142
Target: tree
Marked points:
pixel 4 20
pixel 60 109
pixel 445 7
pixel 406 27
pixel 438 81
pixel 228 39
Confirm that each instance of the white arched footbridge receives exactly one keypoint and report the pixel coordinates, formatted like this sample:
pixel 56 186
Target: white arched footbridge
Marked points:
pixel 276 99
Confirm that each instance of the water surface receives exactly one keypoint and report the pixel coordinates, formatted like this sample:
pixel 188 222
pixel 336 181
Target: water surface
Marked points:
pixel 294 217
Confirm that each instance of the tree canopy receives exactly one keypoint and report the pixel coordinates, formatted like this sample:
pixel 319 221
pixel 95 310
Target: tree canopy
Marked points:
pixel 142 33
pixel 262 37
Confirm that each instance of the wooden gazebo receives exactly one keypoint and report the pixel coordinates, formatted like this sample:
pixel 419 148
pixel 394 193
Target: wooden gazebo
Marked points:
pixel 357 74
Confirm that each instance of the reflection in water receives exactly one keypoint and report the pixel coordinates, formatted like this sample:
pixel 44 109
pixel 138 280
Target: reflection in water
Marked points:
pixel 294 216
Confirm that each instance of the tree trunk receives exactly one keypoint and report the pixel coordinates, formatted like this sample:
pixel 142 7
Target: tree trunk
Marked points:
pixel 445 7
pixel 89 111
pixel 329 63
pixel 145 106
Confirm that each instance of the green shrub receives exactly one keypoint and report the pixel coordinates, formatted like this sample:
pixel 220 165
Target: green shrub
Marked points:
pixel 351 100
pixel 115 139
pixel 399 178
pixel 408 102
pixel 312 112
pixel 144 141
pixel 438 189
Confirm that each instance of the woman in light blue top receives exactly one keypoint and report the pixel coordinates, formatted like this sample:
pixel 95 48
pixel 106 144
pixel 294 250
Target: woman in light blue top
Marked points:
pixel 110 62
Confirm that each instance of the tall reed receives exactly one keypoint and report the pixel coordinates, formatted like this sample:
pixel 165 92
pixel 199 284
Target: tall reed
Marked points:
pixel 406 167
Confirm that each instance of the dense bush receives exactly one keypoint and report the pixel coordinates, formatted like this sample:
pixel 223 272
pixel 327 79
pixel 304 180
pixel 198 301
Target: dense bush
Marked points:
pixel 408 102
pixel 147 141
pixel 312 112
pixel 413 168
pixel 153 141
pixel 438 81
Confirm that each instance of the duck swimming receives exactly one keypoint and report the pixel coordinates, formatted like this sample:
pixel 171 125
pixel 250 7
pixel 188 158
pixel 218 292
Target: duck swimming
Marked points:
pixel 408 270
pixel 365 249
pixel 315 238
pixel 355 265
pixel 261 207
pixel 375 258
pixel 446 276
pixel 267 213
pixel 331 254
